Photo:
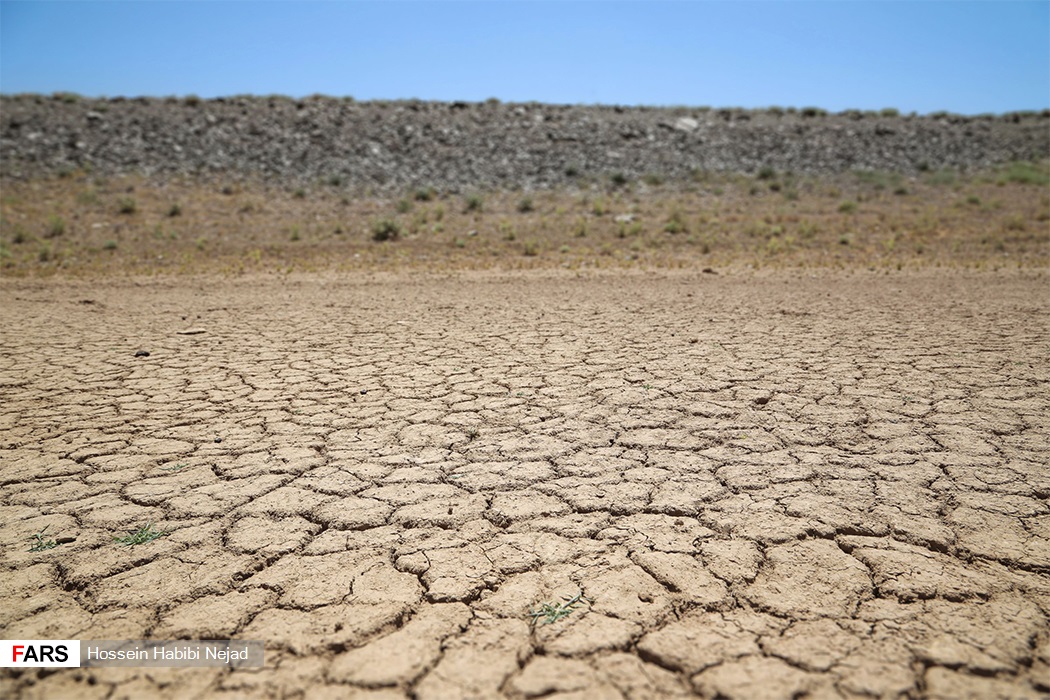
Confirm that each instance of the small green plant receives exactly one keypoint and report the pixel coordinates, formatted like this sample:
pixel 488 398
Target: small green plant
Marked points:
pixel 19 236
pixel 127 205
pixel 174 210
pixel 146 533
pixel 525 205
pixel 889 112
pixel 385 230
pixel 299 193
pixel 618 179
pixel 335 181
pixel 175 468
pixel 848 207
pixel 41 544
pixel 531 249
pixel 45 253
pixel 295 235
pixel 109 245
pixel 767 173
pixel 404 206
pixel 549 613
pixel 424 194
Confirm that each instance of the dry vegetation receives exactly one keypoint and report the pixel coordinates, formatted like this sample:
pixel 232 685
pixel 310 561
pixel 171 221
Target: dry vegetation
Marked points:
pixel 81 224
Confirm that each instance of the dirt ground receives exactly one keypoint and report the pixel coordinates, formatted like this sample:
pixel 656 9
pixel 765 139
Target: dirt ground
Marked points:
pixel 771 484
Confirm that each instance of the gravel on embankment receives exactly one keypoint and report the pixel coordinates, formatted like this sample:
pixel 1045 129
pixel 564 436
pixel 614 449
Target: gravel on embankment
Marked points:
pixel 455 145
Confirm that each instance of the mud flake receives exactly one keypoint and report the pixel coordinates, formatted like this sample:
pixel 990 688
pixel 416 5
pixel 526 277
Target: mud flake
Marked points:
pixel 732 560
pixel 212 617
pixel 583 633
pixel 815 645
pixel 475 664
pixel 627 593
pixel 755 678
pixel 313 631
pixel 456 573
pixel 808 579
pixel 684 575
pixel 949 684
pixel 700 640
pixel 404 654
pixel 353 513
pixel 270 535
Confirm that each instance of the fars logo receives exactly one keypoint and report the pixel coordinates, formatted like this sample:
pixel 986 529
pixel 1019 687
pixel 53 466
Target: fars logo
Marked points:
pixel 37 653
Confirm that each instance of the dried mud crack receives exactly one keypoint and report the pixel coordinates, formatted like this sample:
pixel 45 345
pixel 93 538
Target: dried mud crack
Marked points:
pixel 752 485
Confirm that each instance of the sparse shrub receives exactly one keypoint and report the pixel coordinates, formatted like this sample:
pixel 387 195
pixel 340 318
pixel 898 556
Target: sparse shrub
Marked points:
pixel 56 226
pixel 385 230
pixel 525 205
pixel 1027 174
pixel 890 112
pixel 192 101
pixel 1014 223
pixel 19 236
pixel 942 177
pixel 572 171
pixel 127 205
pixel 473 203
pixel 531 249
pixel 295 236
pixel 403 206
pixel 336 181
pixel 44 254
pixel 109 245
pixel 811 112
pixel 174 210
pixel 767 173
pixel 848 207
pixel 424 194
pixel 618 179
pixel 300 193
pixel 653 180
pixel 676 223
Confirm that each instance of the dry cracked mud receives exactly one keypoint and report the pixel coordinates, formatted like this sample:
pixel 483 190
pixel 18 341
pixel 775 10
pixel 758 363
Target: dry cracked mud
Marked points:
pixel 771 485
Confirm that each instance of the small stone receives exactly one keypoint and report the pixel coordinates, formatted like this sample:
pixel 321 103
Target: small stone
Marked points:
pixel 218 439
pixel 191 331
pixel 142 353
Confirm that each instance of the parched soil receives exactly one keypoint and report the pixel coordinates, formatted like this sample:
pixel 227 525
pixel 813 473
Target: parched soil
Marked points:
pixel 765 485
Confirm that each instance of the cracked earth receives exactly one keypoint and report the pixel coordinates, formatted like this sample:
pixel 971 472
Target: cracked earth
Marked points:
pixel 768 485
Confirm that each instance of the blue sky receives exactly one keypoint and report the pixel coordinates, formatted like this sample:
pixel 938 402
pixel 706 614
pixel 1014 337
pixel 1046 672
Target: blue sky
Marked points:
pixel 966 57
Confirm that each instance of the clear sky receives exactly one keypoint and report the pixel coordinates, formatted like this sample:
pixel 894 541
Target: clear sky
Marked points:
pixel 966 57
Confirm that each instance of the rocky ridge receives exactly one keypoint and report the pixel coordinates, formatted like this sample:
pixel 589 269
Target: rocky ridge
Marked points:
pixel 388 145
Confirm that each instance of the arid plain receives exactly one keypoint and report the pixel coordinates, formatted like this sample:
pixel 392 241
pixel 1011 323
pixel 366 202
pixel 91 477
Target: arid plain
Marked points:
pixel 772 437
